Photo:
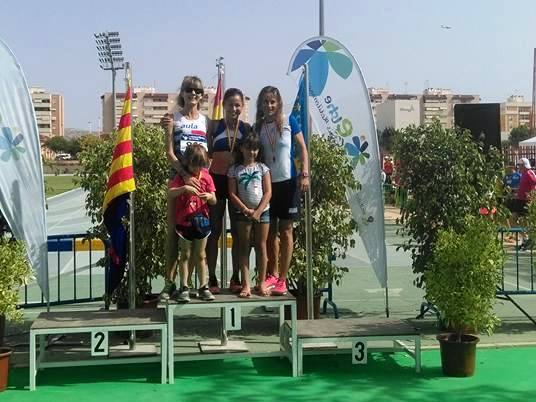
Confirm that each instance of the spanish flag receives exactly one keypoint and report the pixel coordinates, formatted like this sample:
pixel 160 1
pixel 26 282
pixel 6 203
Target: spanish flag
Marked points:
pixel 217 110
pixel 115 206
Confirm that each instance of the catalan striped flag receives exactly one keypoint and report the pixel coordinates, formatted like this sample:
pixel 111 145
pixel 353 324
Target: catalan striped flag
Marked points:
pixel 115 206
pixel 217 110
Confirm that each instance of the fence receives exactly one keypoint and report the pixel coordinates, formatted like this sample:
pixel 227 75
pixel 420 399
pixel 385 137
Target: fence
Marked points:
pixel 512 154
pixel 74 276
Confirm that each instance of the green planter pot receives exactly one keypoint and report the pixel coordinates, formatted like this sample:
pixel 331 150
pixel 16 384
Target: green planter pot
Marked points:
pixel 458 358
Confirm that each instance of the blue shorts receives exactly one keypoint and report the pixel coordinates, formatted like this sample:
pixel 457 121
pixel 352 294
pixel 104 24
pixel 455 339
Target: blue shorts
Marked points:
pixel 265 217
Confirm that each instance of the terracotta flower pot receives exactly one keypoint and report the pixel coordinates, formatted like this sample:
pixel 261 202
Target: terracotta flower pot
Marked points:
pixel 4 367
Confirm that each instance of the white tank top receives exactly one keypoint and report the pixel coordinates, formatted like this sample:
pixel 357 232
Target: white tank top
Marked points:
pixel 186 132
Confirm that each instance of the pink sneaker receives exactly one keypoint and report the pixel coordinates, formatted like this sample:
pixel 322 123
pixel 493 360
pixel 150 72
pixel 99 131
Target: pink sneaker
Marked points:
pixel 270 281
pixel 280 288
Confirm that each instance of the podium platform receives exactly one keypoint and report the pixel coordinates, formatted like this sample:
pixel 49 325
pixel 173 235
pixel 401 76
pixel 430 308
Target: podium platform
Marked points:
pixel 230 306
pixel 98 324
pixel 327 336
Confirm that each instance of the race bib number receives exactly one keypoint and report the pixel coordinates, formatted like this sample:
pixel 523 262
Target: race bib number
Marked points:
pixel 189 139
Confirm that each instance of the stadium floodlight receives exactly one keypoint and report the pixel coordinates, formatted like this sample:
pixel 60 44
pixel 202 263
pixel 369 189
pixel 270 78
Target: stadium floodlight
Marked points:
pixel 110 59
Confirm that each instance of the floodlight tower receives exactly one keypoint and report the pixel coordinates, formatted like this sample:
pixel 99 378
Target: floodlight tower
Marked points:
pixel 110 59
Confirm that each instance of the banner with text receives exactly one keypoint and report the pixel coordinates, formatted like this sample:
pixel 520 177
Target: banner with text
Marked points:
pixel 340 108
pixel 22 197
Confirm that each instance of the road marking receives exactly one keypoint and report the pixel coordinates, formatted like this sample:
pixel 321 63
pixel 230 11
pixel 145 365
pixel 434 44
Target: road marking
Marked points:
pixel 392 292
pixel 515 286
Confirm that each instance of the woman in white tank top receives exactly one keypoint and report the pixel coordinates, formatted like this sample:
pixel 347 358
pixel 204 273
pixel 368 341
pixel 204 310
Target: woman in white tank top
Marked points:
pixel 182 129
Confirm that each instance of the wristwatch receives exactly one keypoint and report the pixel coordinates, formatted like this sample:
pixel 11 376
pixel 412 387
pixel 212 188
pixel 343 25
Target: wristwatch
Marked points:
pixel 305 174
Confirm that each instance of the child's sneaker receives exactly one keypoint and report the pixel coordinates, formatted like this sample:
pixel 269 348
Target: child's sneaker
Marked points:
pixel 213 286
pixel 193 290
pixel 205 294
pixel 167 292
pixel 184 295
pixel 270 281
pixel 280 288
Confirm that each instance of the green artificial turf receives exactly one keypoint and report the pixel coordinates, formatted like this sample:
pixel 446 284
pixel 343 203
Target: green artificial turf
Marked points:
pixel 55 185
pixel 501 375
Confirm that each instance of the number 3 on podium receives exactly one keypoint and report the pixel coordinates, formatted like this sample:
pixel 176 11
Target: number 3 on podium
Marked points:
pixel 99 343
pixel 359 351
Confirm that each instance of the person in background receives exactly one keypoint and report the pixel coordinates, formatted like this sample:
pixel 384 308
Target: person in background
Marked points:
pixel 388 169
pixel 511 183
pixel 527 184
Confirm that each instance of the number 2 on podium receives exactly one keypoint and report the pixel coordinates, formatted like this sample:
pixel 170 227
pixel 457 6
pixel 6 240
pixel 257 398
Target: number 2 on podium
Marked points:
pixel 99 343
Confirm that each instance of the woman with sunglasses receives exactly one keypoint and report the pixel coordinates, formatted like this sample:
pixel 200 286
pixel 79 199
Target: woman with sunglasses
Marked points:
pixel 185 127
pixel 224 139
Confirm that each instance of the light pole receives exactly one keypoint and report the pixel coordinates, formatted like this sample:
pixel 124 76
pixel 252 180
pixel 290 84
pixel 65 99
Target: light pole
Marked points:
pixel 111 59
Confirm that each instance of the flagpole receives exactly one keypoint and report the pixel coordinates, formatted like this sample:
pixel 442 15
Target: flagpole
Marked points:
pixel 132 251
pixel 321 17
pixel 308 219
pixel 223 237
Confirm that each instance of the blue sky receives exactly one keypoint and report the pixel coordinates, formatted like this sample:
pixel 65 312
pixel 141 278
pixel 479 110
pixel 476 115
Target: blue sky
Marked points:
pixel 398 44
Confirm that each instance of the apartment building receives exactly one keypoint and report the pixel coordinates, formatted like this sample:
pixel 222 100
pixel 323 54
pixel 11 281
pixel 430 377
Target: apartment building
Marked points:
pixel 515 112
pixel 377 97
pixel 438 103
pixel 398 111
pixel 49 112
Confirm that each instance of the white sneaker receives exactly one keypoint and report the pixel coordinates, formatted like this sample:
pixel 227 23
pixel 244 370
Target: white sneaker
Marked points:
pixel 183 296
pixel 205 294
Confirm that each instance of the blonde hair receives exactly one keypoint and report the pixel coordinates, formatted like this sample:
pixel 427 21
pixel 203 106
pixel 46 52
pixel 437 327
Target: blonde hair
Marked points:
pixel 187 82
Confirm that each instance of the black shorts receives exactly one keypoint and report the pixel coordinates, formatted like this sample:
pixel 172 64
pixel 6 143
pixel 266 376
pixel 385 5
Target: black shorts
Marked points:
pixel 285 202
pixel 222 188
pixel 189 233
pixel 518 206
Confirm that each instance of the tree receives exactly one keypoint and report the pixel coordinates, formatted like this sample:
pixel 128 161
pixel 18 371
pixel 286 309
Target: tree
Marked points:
pixel 519 134
pixel 64 145
pixel 447 177
pixel 151 170
pixel 58 144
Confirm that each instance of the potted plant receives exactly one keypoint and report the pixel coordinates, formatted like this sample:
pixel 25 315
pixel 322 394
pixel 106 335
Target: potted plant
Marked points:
pixel 14 272
pixel 151 171
pixel 461 281
pixel 447 176
pixel 332 222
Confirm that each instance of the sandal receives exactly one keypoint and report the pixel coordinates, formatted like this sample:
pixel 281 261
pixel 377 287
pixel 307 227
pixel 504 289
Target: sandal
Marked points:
pixel 235 286
pixel 262 291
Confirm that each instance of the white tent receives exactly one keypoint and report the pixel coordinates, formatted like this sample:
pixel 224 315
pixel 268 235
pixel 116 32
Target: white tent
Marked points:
pixel 528 142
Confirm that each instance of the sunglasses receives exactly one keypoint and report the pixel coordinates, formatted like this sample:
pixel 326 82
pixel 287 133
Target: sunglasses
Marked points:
pixel 197 91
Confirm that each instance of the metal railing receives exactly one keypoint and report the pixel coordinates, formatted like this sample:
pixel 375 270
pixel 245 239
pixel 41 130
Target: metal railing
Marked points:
pixel 74 276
